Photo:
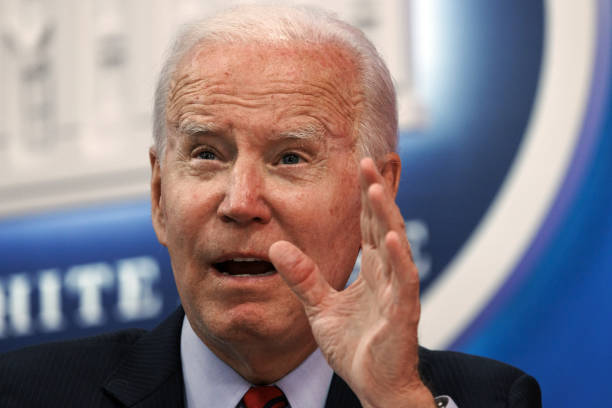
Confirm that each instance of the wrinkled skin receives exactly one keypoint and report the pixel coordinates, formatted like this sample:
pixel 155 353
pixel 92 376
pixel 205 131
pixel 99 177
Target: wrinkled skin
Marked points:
pixel 261 162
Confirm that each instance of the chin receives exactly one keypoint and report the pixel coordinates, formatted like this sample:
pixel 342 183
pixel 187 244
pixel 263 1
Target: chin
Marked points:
pixel 250 322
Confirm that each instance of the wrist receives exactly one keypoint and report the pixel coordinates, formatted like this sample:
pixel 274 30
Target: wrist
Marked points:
pixel 417 396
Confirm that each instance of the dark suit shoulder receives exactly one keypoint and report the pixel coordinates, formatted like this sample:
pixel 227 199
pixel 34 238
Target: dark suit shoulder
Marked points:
pixel 62 372
pixel 474 381
pixel 94 349
pixel 126 368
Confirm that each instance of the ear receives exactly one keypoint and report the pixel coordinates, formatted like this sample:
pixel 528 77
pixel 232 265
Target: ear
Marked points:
pixel 158 213
pixel 390 167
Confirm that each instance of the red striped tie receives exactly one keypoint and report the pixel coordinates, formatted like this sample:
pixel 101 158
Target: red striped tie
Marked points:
pixel 265 396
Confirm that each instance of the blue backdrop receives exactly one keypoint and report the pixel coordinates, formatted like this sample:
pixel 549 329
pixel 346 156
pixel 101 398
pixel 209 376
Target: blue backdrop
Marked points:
pixel 78 271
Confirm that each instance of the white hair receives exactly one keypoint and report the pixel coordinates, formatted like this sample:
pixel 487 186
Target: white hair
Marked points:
pixel 376 125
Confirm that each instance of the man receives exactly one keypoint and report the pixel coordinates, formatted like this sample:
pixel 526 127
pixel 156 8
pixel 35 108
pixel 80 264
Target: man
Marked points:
pixel 274 163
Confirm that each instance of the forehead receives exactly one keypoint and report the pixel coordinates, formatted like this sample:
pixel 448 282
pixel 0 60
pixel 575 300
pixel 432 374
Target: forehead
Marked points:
pixel 292 60
pixel 282 77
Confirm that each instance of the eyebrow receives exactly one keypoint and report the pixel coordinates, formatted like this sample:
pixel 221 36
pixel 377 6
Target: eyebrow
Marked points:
pixel 310 132
pixel 306 133
pixel 196 129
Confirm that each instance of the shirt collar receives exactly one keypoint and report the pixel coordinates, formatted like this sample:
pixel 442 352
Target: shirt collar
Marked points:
pixel 308 384
pixel 209 380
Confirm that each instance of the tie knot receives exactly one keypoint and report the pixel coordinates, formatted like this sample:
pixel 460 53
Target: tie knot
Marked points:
pixel 265 396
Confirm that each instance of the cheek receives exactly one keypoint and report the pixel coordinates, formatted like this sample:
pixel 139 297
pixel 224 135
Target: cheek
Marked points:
pixel 348 203
pixel 346 222
pixel 345 214
pixel 334 232
pixel 185 208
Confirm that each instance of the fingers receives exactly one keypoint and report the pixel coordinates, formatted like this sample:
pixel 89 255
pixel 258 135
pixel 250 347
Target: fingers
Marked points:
pixel 368 175
pixel 384 236
pixel 407 275
pixel 380 214
pixel 300 273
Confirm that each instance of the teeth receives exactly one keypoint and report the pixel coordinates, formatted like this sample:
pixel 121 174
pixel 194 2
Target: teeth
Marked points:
pixel 246 259
pixel 249 275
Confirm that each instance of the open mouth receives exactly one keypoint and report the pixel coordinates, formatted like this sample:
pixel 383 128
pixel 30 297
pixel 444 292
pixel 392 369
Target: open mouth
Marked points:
pixel 245 267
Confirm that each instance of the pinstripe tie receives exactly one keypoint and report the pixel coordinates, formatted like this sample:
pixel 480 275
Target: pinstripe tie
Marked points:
pixel 265 397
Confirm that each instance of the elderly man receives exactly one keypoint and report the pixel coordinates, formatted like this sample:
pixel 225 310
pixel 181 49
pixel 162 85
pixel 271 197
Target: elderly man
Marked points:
pixel 274 163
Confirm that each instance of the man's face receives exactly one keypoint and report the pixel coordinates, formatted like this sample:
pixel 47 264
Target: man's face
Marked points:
pixel 260 148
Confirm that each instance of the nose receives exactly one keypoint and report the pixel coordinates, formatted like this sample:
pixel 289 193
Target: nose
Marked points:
pixel 244 200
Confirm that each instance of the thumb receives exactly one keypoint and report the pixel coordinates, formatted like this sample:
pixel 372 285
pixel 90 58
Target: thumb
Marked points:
pixel 300 273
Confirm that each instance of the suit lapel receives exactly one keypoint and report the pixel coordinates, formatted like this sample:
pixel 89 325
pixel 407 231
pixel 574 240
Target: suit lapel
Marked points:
pixel 426 371
pixel 340 395
pixel 150 373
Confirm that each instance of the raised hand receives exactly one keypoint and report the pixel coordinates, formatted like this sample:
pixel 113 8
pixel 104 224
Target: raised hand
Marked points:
pixel 367 332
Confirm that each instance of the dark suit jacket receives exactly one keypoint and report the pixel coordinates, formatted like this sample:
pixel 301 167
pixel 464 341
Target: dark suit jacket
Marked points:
pixel 136 368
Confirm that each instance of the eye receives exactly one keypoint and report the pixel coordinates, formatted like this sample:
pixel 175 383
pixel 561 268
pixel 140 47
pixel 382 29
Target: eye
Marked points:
pixel 206 155
pixel 290 158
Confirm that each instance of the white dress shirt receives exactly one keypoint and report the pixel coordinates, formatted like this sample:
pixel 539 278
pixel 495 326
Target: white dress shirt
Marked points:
pixel 209 382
